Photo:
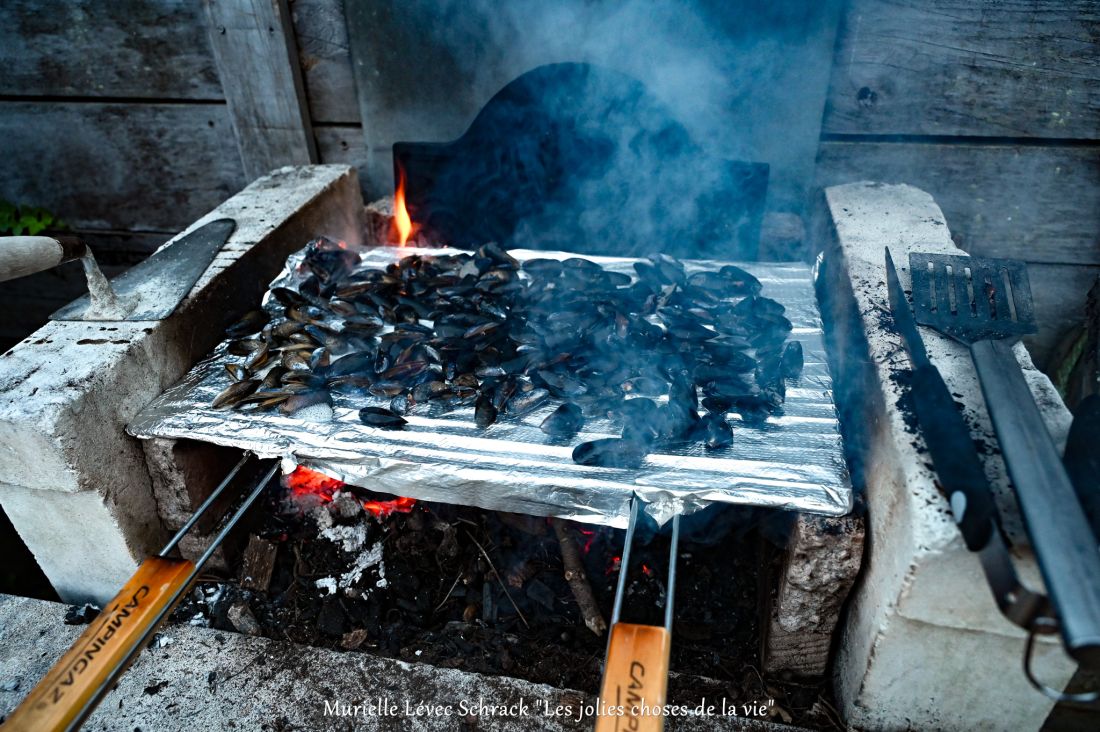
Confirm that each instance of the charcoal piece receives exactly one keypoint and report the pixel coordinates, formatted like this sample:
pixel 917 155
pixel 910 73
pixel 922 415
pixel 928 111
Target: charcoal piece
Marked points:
pixel 541 594
pixel 81 614
pixel 331 620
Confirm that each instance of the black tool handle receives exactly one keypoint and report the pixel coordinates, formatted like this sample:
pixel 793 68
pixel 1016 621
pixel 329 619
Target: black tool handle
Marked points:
pixel 957 465
pixel 1060 535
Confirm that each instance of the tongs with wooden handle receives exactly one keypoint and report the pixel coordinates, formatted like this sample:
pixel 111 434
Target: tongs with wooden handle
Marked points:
pixel 635 677
pixel 72 689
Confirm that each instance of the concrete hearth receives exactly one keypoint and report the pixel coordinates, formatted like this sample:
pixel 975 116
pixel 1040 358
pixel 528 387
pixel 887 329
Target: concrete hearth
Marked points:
pixel 76 487
pixel 924 645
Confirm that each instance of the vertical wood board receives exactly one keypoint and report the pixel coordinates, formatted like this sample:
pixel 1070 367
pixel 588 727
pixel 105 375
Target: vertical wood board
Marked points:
pixel 258 64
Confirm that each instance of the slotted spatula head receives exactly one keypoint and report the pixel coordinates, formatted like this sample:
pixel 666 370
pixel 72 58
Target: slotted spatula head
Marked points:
pixel 970 298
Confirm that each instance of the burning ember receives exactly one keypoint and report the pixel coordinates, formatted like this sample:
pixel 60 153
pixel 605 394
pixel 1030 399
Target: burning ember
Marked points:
pixel 304 482
pixel 401 220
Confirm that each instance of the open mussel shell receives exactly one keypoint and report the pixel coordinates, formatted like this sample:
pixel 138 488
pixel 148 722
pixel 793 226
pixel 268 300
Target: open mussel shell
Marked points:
pixel 234 393
pixel 484 411
pixel 298 402
pixel 791 361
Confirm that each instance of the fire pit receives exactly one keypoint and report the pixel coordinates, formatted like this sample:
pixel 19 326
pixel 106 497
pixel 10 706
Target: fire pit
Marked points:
pixel 743 598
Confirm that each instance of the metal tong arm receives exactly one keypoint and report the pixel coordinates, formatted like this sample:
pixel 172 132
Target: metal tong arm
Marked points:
pixel 75 685
pixel 1063 542
pixel 635 677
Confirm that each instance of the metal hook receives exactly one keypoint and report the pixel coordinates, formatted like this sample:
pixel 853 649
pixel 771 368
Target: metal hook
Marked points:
pixel 1047 626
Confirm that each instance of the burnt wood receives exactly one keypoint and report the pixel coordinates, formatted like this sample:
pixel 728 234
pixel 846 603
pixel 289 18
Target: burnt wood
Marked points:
pixel 956 67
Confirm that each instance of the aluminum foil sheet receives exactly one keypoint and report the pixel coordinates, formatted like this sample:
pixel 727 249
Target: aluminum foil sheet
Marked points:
pixel 794 461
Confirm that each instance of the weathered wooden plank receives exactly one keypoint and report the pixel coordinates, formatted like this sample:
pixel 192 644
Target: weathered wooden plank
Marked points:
pixel 1059 292
pixel 258 64
pixel 89 48
pixel 341 144
pixel 145 167
pixel 963 67
pixel 323 51
pixel 1037 203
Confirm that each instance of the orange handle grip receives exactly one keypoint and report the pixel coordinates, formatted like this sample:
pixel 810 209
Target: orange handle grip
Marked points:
pixel 71 689
pixel 635 680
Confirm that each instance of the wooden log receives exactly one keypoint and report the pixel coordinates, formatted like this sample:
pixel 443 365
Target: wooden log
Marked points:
pixel 577 579
pixel 258 563
pixel 257 62
pixel 1009 68
pixel 823 557
pixel 1037 203
pixel 139 167
pixel 149 49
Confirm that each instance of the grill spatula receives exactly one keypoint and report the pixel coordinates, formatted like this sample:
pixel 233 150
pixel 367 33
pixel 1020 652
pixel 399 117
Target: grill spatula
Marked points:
pixel 986 304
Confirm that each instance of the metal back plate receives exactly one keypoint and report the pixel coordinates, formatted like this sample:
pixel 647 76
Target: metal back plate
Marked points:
pixel 970 298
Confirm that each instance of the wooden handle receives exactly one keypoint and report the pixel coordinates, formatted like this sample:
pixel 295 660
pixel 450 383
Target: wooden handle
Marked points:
pixel 24 255
pixel 635 679
pixel 76 683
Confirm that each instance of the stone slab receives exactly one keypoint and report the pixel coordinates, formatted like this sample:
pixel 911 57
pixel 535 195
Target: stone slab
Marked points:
pixel 200 679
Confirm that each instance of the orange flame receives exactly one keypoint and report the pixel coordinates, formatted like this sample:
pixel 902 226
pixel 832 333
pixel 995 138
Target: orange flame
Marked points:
pixel 305 482
pixel 401 220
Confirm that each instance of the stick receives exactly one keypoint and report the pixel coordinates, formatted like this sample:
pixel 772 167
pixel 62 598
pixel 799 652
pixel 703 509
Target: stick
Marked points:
pixel 499 580
pixel 578 581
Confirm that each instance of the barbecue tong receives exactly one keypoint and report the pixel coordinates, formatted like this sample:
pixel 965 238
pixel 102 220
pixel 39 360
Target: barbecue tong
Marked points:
pixel 635 677
pixel 77 683
pixel 1067 558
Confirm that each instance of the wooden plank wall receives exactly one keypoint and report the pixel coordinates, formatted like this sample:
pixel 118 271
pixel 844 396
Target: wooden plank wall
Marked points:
pixel 993 107
pixel 112 116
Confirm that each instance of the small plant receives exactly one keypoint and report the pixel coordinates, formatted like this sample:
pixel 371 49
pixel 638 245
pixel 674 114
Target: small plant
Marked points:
pixel 19 220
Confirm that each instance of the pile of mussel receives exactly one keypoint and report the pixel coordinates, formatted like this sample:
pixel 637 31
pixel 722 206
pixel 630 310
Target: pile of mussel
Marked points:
pixel 649 350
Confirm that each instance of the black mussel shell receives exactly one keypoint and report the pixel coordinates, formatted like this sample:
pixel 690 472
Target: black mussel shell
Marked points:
pixel 716 432
pixel 791 362
pixel 611 452
pixel 484 411
pixel 564 422
pixel 380 417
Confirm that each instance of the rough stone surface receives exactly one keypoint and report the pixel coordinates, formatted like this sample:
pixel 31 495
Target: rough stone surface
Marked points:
pixel 67 391
pixel 199 679
pixel 924 645
pixel 820 565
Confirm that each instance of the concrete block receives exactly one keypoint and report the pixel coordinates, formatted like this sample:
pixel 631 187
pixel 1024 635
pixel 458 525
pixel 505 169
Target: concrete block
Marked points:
pixel 67 391
pixel 922 607
pixel 79 539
